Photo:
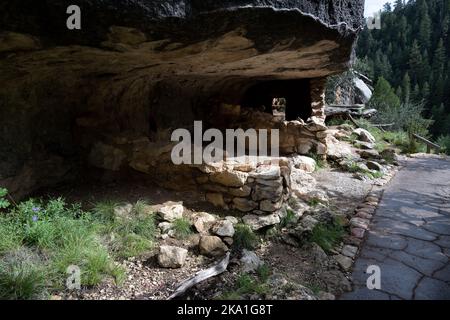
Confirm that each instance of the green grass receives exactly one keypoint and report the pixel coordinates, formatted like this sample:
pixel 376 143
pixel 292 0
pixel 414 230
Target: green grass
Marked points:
pixel 320 163
pixel 60 235
pixel 182 228
pixel 327 236
pixel 244 238
pixel 289 219
pixel 22 276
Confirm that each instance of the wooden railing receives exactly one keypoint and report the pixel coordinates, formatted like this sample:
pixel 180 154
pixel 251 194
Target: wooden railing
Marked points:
pixel 430 145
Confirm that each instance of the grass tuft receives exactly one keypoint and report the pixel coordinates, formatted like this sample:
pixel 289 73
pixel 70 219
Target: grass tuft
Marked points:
pixel 244 238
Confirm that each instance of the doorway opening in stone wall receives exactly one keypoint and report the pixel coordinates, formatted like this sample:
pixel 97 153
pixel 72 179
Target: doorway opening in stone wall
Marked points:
pixel 289 97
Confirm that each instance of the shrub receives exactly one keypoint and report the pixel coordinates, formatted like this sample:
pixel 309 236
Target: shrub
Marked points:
pixel 105 210
pixel 290 218
pixel 244 237
pixel 4 203
pixel 22 276
pixel 327 235
pixel 444 142
pixel 182 228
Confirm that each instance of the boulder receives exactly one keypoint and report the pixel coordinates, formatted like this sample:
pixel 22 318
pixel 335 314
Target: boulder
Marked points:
pixel 212 246
pixel 369 154
pixel 165 227
pixel 306 164
pixel 337 149
pixel 203 221
pixel 171 211
pixel 171 257
pixel 270 206
pixel 258 222
pixel 266 192
pixel 364 135
pixel 224 228
pixel 372 165
pixel 364 145
pixel 344 262
pixel 123 211
pixel 244 191
pixel 250 261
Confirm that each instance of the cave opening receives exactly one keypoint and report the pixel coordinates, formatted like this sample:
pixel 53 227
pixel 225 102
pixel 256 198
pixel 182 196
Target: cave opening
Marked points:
pixel 289 97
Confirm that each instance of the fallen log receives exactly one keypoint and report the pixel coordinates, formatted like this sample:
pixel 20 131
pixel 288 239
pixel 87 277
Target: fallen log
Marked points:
pixel 201 276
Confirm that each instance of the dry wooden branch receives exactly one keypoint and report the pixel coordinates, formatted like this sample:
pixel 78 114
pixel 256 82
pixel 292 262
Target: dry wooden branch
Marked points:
pixel 202 276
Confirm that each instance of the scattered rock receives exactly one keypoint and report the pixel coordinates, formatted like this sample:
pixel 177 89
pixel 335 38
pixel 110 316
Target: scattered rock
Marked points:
pixel 212 246
pixel 232 219
pixel 360 223
pixel 172 257
pixel 372 165
pixel 364 145
pixel 344 262
pixel 365 135
pixel 369 154
pixel 349 251
pixel 250 261
pixel 269 206
pixel 165 227
pixel 203 221
pixel 306 164
pixel 224 228
pixel 258 222
pixel 358 232
pixel 170 211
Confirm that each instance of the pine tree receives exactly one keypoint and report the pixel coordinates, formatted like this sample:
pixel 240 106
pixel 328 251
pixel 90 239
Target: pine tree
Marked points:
pixel 425 26
pixel 416 62
pixel 406 87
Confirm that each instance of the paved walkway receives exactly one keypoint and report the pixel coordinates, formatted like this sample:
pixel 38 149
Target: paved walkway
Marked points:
pixel 409 238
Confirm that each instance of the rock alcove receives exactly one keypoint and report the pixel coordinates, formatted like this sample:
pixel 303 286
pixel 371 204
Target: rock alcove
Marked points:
pixel 108 96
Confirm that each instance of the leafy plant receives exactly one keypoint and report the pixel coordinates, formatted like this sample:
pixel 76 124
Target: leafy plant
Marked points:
pixel 444 143
pixel 4 203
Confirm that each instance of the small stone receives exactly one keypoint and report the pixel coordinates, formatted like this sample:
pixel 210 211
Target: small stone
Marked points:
pixel 172 257
pixel 364 135
pixel 165 227
pixel 363 215
pixel 258 222
pixel 372 165
pixel 358 233
pixel 349 251
pixel 344 262
pixel 369 154
pixel 360 223
pixel 224 228
pixel 171 211
pixel 250 261
pixel 266 192
pixel 306 164
pixel 203 221
pixel 232 219
pixel 212 246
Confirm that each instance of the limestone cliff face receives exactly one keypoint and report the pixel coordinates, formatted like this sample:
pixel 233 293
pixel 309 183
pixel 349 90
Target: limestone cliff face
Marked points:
pixel 142 65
